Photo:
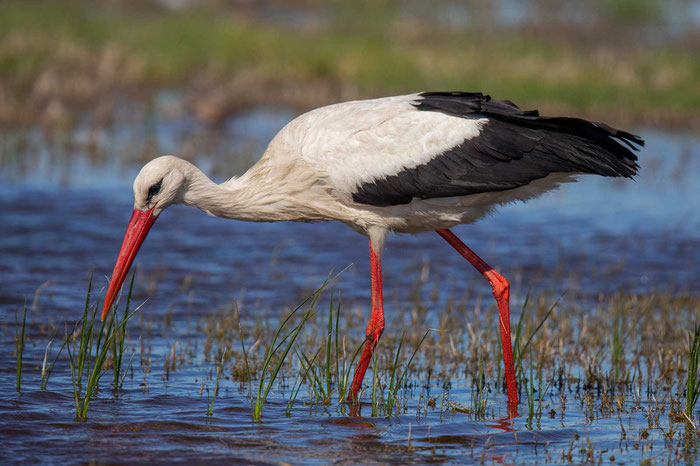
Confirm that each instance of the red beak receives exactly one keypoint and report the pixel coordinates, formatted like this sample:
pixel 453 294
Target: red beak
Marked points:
pixel 136 232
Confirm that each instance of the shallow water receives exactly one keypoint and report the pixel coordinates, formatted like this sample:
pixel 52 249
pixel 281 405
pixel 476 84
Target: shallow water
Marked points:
pixel 65 199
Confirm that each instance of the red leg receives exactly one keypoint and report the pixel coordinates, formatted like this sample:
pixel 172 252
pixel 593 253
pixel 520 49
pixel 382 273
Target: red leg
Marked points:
pixel 375 327
pixel 501 291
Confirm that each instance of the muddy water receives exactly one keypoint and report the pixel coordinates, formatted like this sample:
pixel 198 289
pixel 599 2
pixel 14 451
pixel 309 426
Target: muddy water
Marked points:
pixel 64 202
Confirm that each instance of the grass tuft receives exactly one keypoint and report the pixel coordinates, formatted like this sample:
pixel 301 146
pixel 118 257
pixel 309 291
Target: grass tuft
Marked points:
pixel 87 351
pixel 278 350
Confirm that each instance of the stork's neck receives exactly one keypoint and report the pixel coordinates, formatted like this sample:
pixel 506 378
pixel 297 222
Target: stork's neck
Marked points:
pixel 249 197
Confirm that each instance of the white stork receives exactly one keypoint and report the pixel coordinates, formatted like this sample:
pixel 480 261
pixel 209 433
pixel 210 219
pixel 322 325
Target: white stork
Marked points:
pixel 408 164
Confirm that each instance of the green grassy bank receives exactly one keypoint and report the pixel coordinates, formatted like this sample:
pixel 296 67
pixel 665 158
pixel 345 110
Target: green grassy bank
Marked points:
pixel 73 52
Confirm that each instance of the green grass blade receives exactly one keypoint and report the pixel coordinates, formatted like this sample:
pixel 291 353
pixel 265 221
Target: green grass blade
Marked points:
pixel 393 381
pixel 210 406
pixel 291 341
pixel 19 347
pixel 544 319
pixel 410 360
pixel 337 351
pixel 329 343
pixel 304 375
pixel 316 379
pixel 517 352
pixel 118 344
pixel 693 381
pixel 245 360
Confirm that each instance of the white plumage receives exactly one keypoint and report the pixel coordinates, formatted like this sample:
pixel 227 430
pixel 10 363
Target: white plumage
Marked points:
pixel 356 142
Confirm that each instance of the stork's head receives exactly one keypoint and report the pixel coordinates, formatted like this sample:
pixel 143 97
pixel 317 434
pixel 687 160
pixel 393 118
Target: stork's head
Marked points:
pixel 161 183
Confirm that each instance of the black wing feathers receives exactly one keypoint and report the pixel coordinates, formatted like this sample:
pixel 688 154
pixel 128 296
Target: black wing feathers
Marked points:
pixel 513 148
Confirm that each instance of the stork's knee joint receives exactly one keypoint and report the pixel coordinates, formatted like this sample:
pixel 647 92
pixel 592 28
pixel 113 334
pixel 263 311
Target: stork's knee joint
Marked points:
pixel 499 284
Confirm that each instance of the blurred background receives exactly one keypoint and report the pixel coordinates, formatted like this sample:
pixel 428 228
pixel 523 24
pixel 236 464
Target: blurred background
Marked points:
pixel 621 60
pixel 175 74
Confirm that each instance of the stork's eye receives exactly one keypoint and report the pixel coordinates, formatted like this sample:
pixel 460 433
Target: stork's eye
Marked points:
pixel 153 190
